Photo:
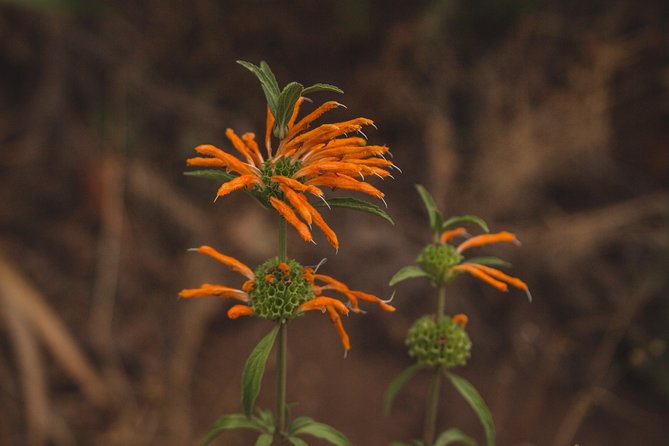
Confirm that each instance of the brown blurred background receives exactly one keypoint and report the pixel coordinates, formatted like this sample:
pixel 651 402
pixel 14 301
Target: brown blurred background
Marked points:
pixel 549 119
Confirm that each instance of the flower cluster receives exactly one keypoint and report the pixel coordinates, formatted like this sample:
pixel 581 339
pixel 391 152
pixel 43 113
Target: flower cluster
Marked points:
pixel 304 162
pixel 281 291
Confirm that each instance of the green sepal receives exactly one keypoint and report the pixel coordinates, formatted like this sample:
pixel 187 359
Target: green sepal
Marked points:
pixel 284 109
pixel 454 436
pixel 211 174
pixel 320 430
pixel 254 369
pixel 232 421
pixel 436 219
pixel 408 272
pixel 267 81
pixel 471 395
pixel 264 440
pixel 322 87
pixel 464 220
pixel 397 384
pixel 297 441
pixel 356 205
pixel 490 261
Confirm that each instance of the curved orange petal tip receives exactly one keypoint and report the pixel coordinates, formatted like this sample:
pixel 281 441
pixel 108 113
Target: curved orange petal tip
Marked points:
pixel 322 302
pixel 230 262
pixel 287 213
pixel 237 183
pixel 447 236
pixel 461 320
pixel 487 239
pixel 248 285
pixel 479 274
pixel 240 310
pixel 339 326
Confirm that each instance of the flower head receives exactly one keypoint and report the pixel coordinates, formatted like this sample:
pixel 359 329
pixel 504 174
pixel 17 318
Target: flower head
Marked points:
pixel 281 291
pixel 303 161
pixel 439 342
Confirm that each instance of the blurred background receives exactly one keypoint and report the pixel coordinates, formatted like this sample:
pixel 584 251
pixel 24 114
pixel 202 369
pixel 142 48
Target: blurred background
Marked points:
pixel 547 118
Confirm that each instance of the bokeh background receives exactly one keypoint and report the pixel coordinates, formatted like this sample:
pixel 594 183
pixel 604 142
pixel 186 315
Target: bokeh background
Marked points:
pixel 547 118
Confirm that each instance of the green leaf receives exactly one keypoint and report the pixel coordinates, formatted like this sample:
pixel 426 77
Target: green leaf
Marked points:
pixel 492 261
pixel 267 81
pixel 321 87
pixel 297 441
pixel 465 220
pixel 269 75
pixel 357 205
pixel 265 418
pixel 454 436
pixel 211 174
pixel 409 443
pixel 287 99
pixel 471 395
pixel 324 432
pixel 254 369
pixel 397 384
pixel 264 440
pixel 299 422
pixel 433 213
pixel 228 422
pixel 408 272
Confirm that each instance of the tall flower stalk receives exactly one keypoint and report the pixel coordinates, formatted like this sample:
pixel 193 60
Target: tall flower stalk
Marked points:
pixel 439 342
pixel 281 289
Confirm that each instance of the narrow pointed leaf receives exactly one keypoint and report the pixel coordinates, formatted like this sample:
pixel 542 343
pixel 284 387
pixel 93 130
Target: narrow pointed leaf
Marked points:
pixel 397 384
pixel 409 443
pixel 228 422
pixel 297 441
pixel 265 418
pixel 269 75
pixel 465 220
pixel 211 174
pixel 357 205
pixel 299 422
pixel 491 261
pixel 408 272
pixel 264 440
pixel 321 87
pixel 454 436
pixel 254 369
pixel 324 432
pixel 287 99
pixel 267 82
pixel 471 395
pixel 433 213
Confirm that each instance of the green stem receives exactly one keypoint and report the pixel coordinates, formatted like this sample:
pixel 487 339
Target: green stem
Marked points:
pixel 280 427
pixel 432 407
pixel 283 248
pixel 441 302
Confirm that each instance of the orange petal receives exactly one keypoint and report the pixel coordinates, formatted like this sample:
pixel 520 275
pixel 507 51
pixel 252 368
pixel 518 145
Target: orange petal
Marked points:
pixel 239 145
pixel 487 239
pixel 268 133
pixel 206 162
pixel 460 319
pixel 286 212
pixel 250 141
pixel 294 199
pixel 467 267
pixel 237 183
pixel 497 274
pixel 207 290
pixel 231 262
pixel 230 161
pixel 296 185
pixel 322 302
pixel 336 321
pixel 296 111
pixel 304 122
pixel 248 285
pixel 240 310
pixel 371 298
pixel 451 233
pixel 329 233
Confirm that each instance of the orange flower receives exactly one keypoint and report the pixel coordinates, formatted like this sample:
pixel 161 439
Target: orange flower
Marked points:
pixel 285 291
pixel 303 160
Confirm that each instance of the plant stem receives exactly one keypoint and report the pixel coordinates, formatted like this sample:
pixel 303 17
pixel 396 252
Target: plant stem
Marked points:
pixel 280 426
pixel 281 362
pixel 441 302
pixel 432 407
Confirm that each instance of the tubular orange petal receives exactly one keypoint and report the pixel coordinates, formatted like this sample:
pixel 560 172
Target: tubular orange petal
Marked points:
pixel 248 285
pixel 240 310
pixel 239 145
pixel 286 212
pixel 461 320
pixel 497 274
pixel 371 298
pixel 304 122
pixel 329 233
pixel 487 239
pixel 296 185
pixel 230 262
pixel 481 275
pixel 336 321
pixel 268 133
pixel 237 183
pixel 322 302
pixel 447 236
pixel 230 161
pixel 345 182
pixel 250 141
pixel 295 200
pixel 207 290
pixel 296 111
pixel 206 162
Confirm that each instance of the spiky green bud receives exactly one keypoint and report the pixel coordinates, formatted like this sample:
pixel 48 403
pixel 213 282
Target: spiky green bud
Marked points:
pixel 437 260
pixel 441 342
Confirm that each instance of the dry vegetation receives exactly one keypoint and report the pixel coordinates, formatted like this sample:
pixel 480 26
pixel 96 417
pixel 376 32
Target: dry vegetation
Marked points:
pixel 548 120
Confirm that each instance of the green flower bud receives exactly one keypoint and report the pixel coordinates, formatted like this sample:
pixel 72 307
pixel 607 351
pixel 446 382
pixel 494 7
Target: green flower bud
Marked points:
pixel 441 342
pixel 437 260
pixel 279 290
